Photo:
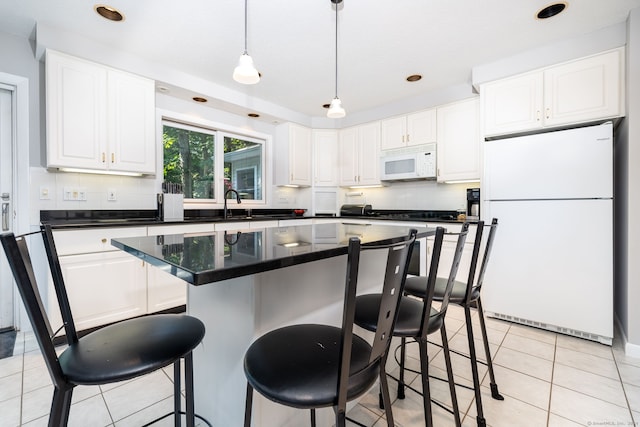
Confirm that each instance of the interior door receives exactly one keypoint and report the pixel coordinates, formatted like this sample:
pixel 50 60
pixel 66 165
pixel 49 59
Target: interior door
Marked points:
pixel 6 193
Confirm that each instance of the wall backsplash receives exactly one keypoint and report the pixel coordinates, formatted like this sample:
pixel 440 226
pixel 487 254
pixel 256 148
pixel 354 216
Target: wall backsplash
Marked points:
pixel 139 193
pixel 415 195
pixel 130 192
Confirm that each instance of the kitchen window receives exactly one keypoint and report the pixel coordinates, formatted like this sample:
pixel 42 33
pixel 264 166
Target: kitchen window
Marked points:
pixel 199 158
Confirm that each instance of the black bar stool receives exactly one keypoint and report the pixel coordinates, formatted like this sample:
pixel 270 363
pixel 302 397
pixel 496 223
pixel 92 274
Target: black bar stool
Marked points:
pixel 417 319
pixel 467 294
pixel 118 352
pixel 313 366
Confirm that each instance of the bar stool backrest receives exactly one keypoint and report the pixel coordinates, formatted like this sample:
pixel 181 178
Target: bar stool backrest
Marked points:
pixel 433 271
pixel 487 251
pixel 397 264
pixel 19 259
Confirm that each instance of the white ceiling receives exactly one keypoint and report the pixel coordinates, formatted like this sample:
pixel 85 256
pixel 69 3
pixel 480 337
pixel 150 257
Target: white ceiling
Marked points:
pixel 292 42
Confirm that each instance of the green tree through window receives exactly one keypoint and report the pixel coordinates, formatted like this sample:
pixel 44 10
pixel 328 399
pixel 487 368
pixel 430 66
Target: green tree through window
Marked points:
pixel 189 160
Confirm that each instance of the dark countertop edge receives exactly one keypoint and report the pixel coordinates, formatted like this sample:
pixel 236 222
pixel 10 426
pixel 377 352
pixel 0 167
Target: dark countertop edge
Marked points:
pixel 212 276
pixel 70 224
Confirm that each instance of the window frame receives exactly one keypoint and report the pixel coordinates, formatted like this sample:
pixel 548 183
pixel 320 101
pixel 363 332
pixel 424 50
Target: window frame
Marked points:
pixel 219 131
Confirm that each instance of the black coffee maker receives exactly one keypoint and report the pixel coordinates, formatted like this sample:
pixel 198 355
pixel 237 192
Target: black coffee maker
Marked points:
pixel 473 203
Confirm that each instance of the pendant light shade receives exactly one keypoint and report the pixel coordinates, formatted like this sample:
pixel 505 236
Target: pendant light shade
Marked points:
pixel 336 111
pixel 246 72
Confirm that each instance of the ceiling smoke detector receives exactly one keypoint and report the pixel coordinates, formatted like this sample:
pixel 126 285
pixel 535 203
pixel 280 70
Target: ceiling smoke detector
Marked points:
pixel 551 10
pixel 108 12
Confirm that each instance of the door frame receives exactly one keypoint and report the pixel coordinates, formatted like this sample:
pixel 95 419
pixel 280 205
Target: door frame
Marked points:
pixel 21 143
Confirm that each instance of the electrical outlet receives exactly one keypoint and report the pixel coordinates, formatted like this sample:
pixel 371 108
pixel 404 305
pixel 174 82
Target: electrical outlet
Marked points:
pixel 74 194
pixel 44 193
pixel 111 195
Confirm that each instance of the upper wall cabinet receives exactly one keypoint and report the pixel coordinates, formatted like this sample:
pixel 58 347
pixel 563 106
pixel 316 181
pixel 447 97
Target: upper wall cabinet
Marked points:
pixel 359 149
pixel 413 129
pixel 292 155
pixel 325 157
pixel 98 118
pixel 575 92
pixel 458 149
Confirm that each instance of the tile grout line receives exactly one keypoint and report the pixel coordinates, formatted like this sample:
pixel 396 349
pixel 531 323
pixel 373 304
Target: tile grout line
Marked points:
pixel 553 370
pixel 624 390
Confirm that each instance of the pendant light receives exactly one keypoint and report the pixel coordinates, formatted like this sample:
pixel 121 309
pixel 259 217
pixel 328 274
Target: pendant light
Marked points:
pixel 246 72
pixel 335 109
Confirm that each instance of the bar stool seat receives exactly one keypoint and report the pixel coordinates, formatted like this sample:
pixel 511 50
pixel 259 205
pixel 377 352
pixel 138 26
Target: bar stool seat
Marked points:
pixel 416 286
pixel 130 348
pixel 409 322
pixel 274 368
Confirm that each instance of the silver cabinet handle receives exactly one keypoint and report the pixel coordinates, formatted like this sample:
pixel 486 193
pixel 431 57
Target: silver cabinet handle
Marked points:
pixel 5 216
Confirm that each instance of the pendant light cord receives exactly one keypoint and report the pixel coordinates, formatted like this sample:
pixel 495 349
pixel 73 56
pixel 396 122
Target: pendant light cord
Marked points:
pixel 336 48
pixel 245 27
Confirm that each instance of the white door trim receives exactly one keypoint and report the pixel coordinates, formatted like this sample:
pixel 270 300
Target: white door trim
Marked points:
pixel 21 143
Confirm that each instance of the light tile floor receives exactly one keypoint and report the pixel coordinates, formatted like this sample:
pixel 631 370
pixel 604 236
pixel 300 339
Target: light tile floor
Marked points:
pixel 547 379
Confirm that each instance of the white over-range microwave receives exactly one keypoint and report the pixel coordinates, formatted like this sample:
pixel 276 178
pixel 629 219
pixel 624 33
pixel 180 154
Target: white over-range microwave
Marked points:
pixel 409 163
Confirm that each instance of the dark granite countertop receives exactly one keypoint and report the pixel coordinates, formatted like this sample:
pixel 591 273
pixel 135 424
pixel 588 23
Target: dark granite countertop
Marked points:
pixel 68 219
pixel 210 257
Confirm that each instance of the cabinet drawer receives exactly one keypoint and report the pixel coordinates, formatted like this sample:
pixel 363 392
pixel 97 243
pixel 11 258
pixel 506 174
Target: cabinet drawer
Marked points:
pixel 71 242
pixel 159 230
pixel 102 288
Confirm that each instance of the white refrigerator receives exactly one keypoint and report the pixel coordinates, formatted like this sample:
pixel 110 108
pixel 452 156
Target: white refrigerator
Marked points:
pixel 552 259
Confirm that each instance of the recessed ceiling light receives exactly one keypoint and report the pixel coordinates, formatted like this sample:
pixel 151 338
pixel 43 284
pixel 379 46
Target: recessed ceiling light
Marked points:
pixel 163 89
pixel 254 115
pixel 108 12
pixel 326 105
pixel 551 10
pixel 414 77
pixel 199 99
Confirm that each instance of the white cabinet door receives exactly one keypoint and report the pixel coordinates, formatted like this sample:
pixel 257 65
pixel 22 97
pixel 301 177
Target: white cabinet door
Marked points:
pixel 413 129
pixel 325 157
pixel 164 290
pixel 292 155
pixel 102 288
pixel 369 154
pixel 131 118
pixel 458 153
pixel 98 118
pixel 349 153
pixel 393 133
pixel 579 91
pixel 583 90
pixel 421 127
pixel 76 112
pixel 513 104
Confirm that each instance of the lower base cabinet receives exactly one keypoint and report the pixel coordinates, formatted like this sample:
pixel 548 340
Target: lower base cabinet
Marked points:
pixel 164 291
pixel 103 287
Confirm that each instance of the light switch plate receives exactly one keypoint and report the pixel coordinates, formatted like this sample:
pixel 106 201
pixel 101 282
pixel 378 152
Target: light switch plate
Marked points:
pixel 111 195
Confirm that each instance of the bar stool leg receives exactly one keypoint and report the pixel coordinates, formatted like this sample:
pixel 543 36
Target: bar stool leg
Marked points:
pixel 426 391
pixel 494 387
pixel 452 384
pixel 403 354
pixel 474 368
pixel 248 406
pixel 188 382
pixel 177 404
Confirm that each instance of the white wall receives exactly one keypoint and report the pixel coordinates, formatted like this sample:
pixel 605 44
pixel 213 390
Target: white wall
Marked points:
pixel 627 199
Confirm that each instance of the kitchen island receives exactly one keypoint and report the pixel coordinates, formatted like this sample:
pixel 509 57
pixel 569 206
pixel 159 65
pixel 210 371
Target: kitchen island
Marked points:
pixel 247 282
